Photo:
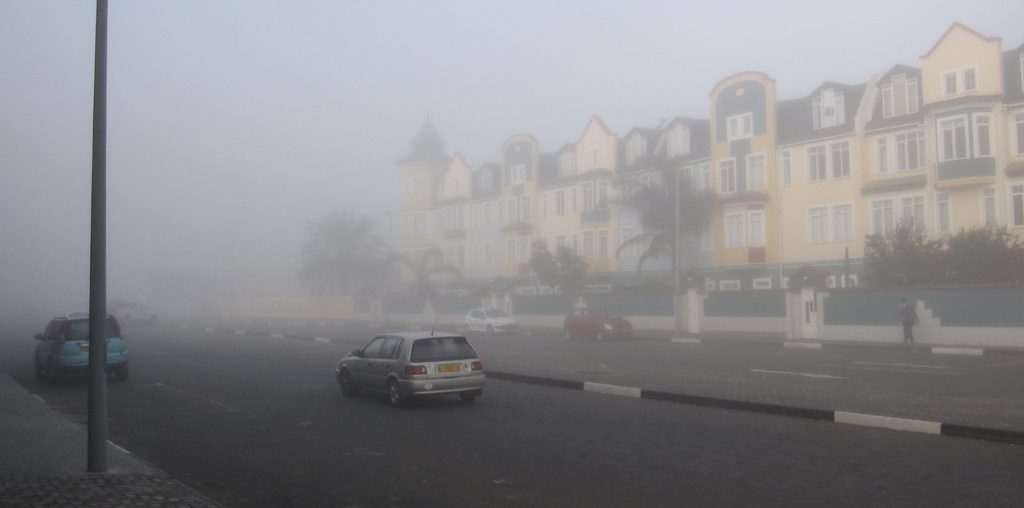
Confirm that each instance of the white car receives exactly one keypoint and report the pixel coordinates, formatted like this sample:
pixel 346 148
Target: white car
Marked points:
pixel 490 321
pixel 132 312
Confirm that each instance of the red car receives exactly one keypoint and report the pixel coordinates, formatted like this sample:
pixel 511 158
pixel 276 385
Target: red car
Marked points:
pixel 596 324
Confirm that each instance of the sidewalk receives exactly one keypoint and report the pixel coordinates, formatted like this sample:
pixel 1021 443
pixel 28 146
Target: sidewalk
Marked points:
pixel 43 463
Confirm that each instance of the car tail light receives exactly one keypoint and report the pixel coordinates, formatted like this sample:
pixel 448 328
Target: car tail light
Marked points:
pixel 478 365
pixel 65 330
pixel 413 370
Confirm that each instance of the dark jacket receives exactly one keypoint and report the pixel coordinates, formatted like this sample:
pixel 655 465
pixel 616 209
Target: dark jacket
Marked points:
pixel 908 315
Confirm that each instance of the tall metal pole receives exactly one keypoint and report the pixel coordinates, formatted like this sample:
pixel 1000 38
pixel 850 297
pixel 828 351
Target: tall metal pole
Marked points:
pixel 97 427
pixel 675 263
pixel 389 272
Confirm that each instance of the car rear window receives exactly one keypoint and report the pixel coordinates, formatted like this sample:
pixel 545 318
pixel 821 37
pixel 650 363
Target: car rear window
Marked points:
pixel 79 329
pixel 437 349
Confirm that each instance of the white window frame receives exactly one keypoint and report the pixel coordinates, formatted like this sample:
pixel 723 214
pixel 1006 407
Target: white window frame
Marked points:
pixel 813 177
pixel 986 194
pixel 940 131
pixel 1016 200
pixel 762 283
pixel 977 135
pixel 825 233
pixel 819 104
pixel 751 242
pixel 882 155
pixel 910 93
pixel 851 227
pixel 960 80
pixel 942 200
pixel 740 238
pixel 915 199
pixel 729 285
pixel 785 167
pixel 678 140
pixel 918 136
pixel 721 175
pixel 517 174
pixel 625 234
pixel 525 209
pixel 764 171
pixel 832 149
pixel 739 132
pixel 602 243
pixel 871 215
pixel 567 163
pixel 1018 123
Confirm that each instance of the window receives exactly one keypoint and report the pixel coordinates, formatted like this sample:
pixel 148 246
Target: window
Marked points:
pixel 785 168
pixel 729 285
pixel 899 96
pixel 525 209
pixel 517 174
pixel 910 151
pixel 727 175
pixel 419 222
pixel 588 196
pixel 1018 121
pixel 588 244
pixel 840 159
pixel 882 219
pixel 882 151
pixel 952 139
pixel 559 242
pixel 817 164
pixel 959 81
pixel 755 229
pixel 636 148
pixel 828 109
pixel 460 256
pixel 942 209
pixel 912 210
pixel 988 207
pixel 420 184
pixel 735 233
pixel 602 243
pixel 739 126
pixel 488 253
pixel 705 171
pixel 524 250
pixel 842 223
pixel 567 163
pixel 560 203
pixel 572 194
pixel 819 224
pixel 982 143
pixel 513 210
pixel 626 234
pixel 510 246
pixel 1017 205
pixel 544 205
pixel 706 241
pixel 602 194
pixel 460 217
pixel 762 283
pixel 755 172
pixel 486 181
pixel 488 214
pixel 678 140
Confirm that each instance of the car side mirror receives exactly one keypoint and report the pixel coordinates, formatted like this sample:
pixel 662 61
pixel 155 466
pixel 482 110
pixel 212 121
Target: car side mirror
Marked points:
pixel 357 352
pixel 39 336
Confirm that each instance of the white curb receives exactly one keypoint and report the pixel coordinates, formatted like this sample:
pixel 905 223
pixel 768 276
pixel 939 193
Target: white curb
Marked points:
pixel 622 391
pixel 888 422
pixel 679 340
pixel 958 351
pixel 803 345
pixel 322 340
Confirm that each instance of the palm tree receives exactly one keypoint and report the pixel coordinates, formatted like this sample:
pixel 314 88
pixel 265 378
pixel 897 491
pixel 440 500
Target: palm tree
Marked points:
pixel 342 254
pixel 655 207
pixel 426 267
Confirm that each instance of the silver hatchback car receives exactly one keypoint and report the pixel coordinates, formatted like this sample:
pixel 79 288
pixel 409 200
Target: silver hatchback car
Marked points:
pixel 413 364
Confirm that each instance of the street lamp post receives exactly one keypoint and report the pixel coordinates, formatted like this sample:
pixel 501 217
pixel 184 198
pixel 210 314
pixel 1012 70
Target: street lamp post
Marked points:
pixel 97 427
pixel 388 271
pixel 675 263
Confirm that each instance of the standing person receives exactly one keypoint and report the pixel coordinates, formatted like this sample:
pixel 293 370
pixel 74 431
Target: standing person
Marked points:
pixel 908 317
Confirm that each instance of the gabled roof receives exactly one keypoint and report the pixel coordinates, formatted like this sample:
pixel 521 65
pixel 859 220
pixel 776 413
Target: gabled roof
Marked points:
pixel 877 120
pixel 950 29
pixel 426 146
pixel 651 135
pixel 600 123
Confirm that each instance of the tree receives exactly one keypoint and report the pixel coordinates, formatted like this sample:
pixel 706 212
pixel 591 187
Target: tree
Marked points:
pixel 427 267
pixel 565 269
pixel 904 257
pixel 984 255
pixel 655 207
pixel 342 254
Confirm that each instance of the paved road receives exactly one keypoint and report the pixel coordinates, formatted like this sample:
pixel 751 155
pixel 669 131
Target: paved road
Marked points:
pixel 259 421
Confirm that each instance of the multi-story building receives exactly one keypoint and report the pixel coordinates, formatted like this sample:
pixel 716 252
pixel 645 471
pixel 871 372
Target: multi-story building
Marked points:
pixel 798 182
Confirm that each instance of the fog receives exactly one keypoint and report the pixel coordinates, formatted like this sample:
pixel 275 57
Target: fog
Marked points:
pixel 234 124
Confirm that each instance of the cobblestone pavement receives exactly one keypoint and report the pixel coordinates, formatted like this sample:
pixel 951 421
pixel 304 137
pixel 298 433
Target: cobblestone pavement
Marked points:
pixel 100 490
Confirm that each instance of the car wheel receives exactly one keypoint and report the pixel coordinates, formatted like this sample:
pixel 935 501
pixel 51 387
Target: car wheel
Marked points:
pixel 469 397
pixel 348 387
pixel 567 334
pixel 121 373
pixel 395 396
pixel 600 337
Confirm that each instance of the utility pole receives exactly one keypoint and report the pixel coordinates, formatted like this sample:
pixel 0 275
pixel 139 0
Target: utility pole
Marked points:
pixel 675 263
pixel 388 272
pixel 97 426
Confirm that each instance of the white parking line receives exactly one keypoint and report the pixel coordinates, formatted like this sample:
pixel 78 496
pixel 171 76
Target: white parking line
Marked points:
pixel 277 335
pixel 208 329
pixel 622 391
pixel 681 340
pixel 803 374
pixel 885 369
pixel 239 332
pixel 802 345
pixel 888 422
pixel 322 340
pixel 900 364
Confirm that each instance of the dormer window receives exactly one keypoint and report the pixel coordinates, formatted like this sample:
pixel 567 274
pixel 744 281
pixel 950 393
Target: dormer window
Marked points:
pixel 959 81
pixel 739 126
pixel 486 181
pixel 636 148
pixel 567 163
pixel 517 174
pixel 828 109
pixel 899 96
pixel 678 140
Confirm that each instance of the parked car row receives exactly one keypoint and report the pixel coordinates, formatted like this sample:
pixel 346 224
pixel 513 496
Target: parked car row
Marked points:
pixel 595 324
pixel 63 348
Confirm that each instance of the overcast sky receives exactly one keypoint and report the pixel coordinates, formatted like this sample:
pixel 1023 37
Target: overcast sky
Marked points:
pixel 233 124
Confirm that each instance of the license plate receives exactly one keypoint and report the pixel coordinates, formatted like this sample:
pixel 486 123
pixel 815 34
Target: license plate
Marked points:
pixel 450 367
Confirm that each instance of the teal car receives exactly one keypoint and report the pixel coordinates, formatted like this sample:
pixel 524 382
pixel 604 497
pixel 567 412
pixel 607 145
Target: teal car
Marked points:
pixel 63 349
